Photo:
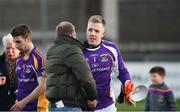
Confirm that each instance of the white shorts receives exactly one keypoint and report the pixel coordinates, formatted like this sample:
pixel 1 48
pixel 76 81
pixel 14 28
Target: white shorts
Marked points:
pixel 110 108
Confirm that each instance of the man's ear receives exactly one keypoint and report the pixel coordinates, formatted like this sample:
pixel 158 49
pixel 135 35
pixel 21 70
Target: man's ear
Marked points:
pixel 28 38
pixel 163 77
pixel 103 34
pixel 70 34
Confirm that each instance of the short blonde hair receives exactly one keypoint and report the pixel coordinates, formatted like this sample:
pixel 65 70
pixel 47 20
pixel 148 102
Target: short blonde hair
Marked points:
pixel 97 19
pixel 7 39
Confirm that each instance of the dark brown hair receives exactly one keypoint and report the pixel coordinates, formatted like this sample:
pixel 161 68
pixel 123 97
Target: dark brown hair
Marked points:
pixel 20 30
pixel 159 70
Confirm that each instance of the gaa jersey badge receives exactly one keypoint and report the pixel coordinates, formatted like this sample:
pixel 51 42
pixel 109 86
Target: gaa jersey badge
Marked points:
pixel 104 57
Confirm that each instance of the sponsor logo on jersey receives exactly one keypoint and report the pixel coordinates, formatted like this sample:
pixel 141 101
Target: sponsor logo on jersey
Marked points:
pixel 95 65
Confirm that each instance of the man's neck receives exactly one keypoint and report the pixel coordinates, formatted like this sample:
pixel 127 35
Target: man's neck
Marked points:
pixel 91 46
pixel 11 61
pixel 27 53
pixel 30 48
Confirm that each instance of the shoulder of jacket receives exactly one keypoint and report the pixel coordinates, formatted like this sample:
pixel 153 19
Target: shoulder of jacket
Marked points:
pixel 165 87
pixel 73 48
pixel 2 57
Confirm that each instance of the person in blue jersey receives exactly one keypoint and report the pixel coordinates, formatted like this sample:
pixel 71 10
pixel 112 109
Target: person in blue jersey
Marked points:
pixel 105 60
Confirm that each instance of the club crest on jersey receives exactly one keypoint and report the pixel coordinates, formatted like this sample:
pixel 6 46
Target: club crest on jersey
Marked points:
pixel 104 57
pixel 28 69
pixel 161 98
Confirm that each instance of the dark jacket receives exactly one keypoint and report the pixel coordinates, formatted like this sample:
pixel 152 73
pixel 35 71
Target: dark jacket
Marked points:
pixel 160 98
pixel 7 95
pixel 69 77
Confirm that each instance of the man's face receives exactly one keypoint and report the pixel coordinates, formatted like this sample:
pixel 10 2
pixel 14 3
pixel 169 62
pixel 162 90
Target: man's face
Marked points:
pixel 21 43
pixel 156 78
pixel 94 33
pixel 11 51
pixel 74 33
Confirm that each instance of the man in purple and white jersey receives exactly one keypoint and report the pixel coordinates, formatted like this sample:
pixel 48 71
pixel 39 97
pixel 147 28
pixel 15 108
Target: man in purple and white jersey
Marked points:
pixel 105 60
pixel 30 70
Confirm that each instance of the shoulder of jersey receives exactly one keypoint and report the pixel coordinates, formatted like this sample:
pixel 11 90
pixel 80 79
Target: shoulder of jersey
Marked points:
pixel 109 43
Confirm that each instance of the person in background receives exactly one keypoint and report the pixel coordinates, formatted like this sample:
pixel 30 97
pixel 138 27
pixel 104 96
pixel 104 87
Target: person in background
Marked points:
pixel 160 97
pixel 8 79
pixel 105 60
pixel 30 70
pixel 70 85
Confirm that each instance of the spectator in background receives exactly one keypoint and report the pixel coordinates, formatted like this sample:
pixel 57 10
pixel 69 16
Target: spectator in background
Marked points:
pixel 30 70
pixel 105 60
pixel 70 85
pixel 160 97
pixel 8 79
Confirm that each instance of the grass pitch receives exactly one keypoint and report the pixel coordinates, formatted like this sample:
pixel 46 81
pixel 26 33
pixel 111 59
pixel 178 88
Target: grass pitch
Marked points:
pixel 140 106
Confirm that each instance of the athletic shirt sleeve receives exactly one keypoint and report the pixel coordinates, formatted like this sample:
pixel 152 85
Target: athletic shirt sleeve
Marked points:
pixel 123 72
pixel 39 59
pixel 119 67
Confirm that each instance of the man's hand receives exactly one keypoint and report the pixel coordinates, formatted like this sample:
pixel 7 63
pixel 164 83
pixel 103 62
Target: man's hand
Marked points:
pixel 129 88
pixel 2 80
pixel 92 103
pixel 131 102
pixel 18 106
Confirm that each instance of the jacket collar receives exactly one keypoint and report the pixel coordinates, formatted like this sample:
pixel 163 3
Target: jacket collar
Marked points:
pixel 65 39
pixel 158 85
